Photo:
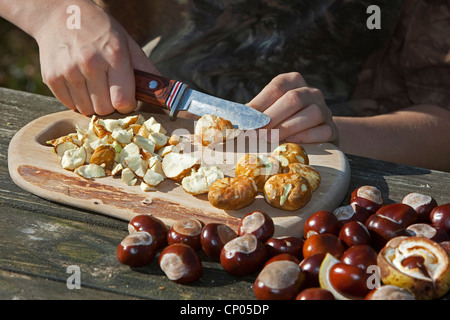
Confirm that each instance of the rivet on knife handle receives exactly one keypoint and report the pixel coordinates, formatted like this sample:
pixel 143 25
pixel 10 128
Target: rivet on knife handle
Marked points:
pixel 158 91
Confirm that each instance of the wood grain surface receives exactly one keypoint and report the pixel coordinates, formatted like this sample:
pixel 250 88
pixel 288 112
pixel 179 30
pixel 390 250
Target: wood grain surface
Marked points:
pixel 36 169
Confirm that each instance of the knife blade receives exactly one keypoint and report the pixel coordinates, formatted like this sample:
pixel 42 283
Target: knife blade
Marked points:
pixel 177 96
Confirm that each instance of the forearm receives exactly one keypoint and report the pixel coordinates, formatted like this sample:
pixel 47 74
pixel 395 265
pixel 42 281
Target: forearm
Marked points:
pixel 31 15
pixel 418 136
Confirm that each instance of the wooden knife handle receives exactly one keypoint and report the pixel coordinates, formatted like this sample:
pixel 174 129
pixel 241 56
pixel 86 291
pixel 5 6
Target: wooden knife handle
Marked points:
pixel 157 90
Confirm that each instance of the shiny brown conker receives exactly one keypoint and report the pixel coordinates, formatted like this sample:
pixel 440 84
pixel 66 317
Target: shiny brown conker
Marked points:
pixel 315 293
pixel 321 222
pixel 180 263
pixel 257 223
pixel 152 225
pixel 285 244
pixel 354 233
pixel 186 231
pixel 278 280
pixel 349 280
pixel 323 243
pixel 214 236
pixel 136 249
pixel 243 255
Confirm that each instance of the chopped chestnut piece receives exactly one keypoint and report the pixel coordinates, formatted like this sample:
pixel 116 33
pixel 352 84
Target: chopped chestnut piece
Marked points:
pixel 257 223
pixel 214 236
pixel 243 255
pixel 354 233
pixel 323 243
pixel 152 225
pixel 423 204
pixel 180 263
pixel 286 244
pixel 368 197
pixel 186 231
pixel 321 222
pixel 137 249
pixel 315 293
pixel 278 280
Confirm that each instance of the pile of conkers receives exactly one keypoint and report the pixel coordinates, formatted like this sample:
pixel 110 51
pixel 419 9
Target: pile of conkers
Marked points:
pixel 288 267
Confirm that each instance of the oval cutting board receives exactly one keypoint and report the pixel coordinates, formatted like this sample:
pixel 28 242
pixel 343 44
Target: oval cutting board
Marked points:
pixel 36 169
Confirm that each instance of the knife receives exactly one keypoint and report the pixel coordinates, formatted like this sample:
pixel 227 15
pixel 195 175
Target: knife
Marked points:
pixel 177 96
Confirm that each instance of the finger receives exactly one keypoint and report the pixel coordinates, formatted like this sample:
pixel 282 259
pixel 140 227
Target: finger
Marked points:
pixel 76 84
pixel 60 91
pixel 121 81
pixel 318 134
pixel 276 89
pixel 139 59
pixel 309 117
pixel 291 103
pixel 100 94
pixel 122 90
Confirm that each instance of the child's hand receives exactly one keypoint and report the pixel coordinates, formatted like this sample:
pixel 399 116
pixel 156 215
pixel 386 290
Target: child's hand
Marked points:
pixel 299 112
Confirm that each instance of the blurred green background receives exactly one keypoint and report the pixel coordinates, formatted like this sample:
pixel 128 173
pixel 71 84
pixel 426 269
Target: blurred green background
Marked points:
pixel 19 61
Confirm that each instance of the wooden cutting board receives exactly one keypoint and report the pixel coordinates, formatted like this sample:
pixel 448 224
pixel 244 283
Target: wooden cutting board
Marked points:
pixel 35 168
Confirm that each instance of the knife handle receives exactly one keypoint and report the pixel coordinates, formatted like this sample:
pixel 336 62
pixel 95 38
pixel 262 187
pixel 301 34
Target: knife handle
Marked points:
pixel 157 90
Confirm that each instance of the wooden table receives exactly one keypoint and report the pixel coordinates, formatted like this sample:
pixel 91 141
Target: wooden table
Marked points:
pixel 41 241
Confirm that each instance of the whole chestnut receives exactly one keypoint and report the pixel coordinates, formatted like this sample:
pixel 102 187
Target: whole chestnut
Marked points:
pixel 428 231
pixel 311 267
pixel 389 292
pixel 257 223
pixel 278 280
pixel 152 225
pixel 136 249
pixel 214 236
pixel 186 231
pixel 351 212
pixel 285 244
pixel 315 293
pixel 401 213
pixel 180 263
pixel 440 217
pixel 354 233
pixel 323 243
pixel 321 222
pixel 349 280
pixel 423 204
pixel 243 255
pixel 283 256
pixel 368 197
pixel 390 222
pixel 361 256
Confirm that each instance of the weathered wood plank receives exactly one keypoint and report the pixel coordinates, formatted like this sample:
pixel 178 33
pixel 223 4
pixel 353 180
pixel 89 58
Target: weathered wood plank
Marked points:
pixel 40 239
